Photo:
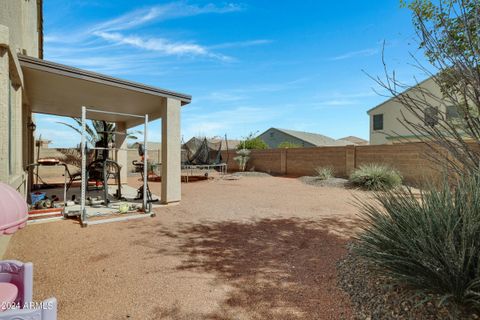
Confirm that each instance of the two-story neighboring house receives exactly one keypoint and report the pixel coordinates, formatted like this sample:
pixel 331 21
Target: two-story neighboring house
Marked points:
pixel 386 119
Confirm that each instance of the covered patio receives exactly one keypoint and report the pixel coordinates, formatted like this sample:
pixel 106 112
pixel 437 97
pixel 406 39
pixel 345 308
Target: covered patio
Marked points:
pixel 56 89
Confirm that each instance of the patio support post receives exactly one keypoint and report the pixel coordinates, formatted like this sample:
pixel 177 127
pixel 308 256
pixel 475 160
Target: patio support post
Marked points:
pixel 83 187
pixel 121 145
pixel 171 141
pixel 145 164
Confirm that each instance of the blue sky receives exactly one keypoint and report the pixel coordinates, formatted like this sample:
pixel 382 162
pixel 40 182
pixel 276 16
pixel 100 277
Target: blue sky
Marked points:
pixel 249 65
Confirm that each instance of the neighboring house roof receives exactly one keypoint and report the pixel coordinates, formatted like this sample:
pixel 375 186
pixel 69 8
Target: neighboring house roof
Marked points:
pixel 151 145
pixel 313 138
pixel 404 92
pixel 232 144
pixel 355 140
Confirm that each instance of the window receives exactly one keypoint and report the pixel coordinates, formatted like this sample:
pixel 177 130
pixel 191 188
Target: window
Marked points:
pixel 272 134
pixel 452 113
pixel 431 116
pixel 378 121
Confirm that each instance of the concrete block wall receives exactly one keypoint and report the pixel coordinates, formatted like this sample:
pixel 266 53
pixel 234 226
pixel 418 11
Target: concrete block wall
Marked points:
pixel 411 159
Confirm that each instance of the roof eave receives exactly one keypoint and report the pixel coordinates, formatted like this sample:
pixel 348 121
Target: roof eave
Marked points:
pixel 52 67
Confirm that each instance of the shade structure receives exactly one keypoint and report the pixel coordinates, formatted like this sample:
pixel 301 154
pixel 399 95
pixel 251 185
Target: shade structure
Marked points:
pixel 13 210
pixel 57 89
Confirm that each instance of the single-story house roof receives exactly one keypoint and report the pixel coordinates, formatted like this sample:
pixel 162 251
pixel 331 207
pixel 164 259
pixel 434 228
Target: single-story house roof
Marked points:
pixel 57 89
pixel 231 144
pixel 313 138
pixel 151 145
pixel 355 140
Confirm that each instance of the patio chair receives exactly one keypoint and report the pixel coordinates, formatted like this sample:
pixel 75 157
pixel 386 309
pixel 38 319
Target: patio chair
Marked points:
pixel 16 288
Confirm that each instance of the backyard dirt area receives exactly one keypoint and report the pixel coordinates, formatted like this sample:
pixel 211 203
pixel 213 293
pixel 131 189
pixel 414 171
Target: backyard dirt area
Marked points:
pixel 252 248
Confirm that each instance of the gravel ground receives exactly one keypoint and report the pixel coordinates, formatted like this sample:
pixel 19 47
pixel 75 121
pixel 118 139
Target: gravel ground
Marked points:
pixel 251 174
pixel 256 248
pixel 375 297
pixel 332 182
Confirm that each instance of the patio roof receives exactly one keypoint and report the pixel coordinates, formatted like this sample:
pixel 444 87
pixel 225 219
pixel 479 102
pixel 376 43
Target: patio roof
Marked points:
pixel 57 89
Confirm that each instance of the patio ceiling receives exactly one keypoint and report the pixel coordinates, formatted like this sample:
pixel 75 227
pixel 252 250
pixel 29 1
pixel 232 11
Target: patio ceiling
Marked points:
pixel 57 89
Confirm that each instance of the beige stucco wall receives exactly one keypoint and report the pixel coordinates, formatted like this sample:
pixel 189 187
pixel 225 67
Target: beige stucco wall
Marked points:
pixel 11 116
pixel 393 112
pixel 19 33
pixel 20 16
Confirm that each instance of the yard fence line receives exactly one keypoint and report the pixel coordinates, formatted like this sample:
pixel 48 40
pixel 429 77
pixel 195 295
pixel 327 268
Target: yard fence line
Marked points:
pixel 411 159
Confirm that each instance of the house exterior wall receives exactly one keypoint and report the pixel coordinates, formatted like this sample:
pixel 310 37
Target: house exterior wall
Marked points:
pixel 273 138
pixel 20 32
pixel 393 111
pixel 20 16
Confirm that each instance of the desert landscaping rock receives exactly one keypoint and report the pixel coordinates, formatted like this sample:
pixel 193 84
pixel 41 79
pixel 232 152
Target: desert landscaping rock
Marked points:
pixel 251 174
pixel 375 297
pixel 332 182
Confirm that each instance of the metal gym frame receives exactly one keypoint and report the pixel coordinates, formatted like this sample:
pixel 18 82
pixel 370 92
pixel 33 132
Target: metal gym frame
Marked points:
pixel 146 208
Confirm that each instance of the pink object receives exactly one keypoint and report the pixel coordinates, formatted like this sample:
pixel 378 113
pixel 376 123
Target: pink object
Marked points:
pixel 13 210
pixel 8 294
pixel 20 275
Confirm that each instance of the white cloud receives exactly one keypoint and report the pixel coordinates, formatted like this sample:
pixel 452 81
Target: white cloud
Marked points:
pixel 241 44
pixel 226 121
pixel 116 32
pixel 172 10
pixel 338 102
pixel 354 54
pixel 163 46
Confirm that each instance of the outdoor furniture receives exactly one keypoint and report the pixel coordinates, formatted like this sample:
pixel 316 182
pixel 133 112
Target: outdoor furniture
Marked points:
pixel 49 163
pixel 16 289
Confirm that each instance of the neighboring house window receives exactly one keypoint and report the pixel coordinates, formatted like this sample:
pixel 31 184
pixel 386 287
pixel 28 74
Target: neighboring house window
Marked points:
pixel 272 134
pixel 431 116
pixel 378 121
pixel 452 113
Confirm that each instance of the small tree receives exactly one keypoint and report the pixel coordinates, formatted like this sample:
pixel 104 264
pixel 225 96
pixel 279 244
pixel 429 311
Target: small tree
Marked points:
pixel 243 155
pixel 251 142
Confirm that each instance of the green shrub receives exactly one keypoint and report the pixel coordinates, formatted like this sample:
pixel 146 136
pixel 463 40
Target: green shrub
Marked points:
pixel 431 244
pixel 376 177
pixel 324 173
pixel 288 144
pixel 251 142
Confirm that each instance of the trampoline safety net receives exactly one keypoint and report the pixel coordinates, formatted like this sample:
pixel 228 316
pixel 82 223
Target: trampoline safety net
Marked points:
pixel 198 151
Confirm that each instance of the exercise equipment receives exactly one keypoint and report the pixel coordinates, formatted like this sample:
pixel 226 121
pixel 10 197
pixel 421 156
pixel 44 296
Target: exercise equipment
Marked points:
pixel 139 167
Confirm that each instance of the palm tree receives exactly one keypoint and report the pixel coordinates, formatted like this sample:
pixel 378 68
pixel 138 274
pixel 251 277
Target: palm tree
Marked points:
pixel 99 131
